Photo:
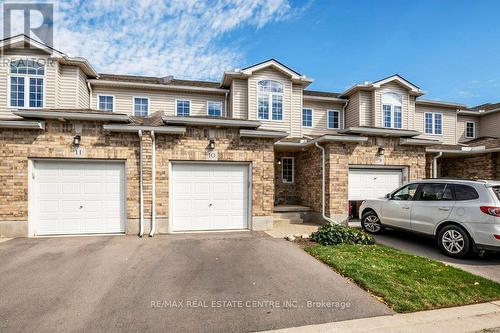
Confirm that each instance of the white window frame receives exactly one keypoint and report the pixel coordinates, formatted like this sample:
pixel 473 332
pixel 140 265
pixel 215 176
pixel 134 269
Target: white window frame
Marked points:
pixel 133 105
pixel 433 129
pixel 293 169
pixel 392 110
pixel 302 117
pixel 208 103
pixel 473 129
pixel 328 116
pixel 26 85
pixel 270 101
pixel 184 100
pixel 106 95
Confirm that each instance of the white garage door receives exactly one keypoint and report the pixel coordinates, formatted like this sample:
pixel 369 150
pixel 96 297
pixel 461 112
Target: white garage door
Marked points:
pixel 78 197
pixel 207 196
pixel 367 184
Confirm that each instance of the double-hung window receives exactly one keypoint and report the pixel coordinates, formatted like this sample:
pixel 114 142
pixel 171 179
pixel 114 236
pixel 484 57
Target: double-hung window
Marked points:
pixel 333 119
pixel 470 130
pixel 287 169
pixel 26 84
pixel 307 117
pixel 433 123
pixel 270 100
pixel 183 107
pixel 392 110
pixel 214 109
pixel 141 106
pixel 106 103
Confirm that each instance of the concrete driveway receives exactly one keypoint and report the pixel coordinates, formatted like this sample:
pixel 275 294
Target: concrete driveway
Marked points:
pixel 488 266
pixel 198 283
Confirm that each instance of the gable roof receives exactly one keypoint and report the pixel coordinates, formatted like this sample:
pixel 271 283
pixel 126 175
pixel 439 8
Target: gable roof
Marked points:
pixel 295 76
pixel 19 41
pixel 414 89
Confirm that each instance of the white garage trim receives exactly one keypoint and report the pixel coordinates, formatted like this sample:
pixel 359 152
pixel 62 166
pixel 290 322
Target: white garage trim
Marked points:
pixel 248 169
pixel 391 177
pixel 34 226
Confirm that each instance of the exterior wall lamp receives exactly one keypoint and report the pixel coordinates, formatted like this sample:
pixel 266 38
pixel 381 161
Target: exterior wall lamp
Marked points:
pixel 381 151
pixel 211 144
pixel 76 140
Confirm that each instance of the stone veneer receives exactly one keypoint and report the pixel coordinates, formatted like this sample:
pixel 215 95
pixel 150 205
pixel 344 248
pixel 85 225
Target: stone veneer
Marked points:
pixel 481 166
pixel 17 146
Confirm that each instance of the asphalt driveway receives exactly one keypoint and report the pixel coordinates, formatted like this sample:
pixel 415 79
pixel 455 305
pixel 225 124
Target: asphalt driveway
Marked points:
pixel 487 266
pixel 198 283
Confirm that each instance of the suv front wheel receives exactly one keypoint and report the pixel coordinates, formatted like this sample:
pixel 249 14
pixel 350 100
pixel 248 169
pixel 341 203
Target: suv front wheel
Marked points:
pixel 370 223
pixel 454 241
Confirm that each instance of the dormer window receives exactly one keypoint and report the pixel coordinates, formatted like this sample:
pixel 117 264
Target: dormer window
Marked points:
pixel 270 100
pixel 26 84
pixel 392 110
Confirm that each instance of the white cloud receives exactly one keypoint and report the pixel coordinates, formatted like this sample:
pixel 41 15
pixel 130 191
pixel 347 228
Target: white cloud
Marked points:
pixel 152 37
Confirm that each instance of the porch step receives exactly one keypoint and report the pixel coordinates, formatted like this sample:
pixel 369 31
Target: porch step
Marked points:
pixel 288 217
pixel 290 208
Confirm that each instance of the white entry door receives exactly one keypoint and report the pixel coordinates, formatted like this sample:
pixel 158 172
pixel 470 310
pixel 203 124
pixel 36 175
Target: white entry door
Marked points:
pixel 78 197
pixel 366 184
pixel 209 196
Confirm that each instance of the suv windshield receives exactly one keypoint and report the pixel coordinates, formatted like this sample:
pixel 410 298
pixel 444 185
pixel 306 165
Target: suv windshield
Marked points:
pixel 496 190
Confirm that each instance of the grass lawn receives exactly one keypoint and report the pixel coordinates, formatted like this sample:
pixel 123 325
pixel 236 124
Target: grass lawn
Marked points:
pixel 404 281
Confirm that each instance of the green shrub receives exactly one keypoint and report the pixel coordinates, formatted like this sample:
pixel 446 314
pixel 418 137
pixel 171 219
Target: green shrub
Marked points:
pixel 334 234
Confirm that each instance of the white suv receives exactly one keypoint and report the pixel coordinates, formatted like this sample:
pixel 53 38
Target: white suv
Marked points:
pixel 461 214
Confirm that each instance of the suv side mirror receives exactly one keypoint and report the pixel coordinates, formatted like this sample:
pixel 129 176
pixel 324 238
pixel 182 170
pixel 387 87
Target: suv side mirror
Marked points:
pixel 388 196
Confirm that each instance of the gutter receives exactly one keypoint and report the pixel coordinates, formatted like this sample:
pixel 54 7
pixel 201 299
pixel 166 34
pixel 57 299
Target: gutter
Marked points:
pixel 90 94
pixel 324 98
pixel 323 185
pixel 435 165
pixel 262 134
pixel 104 116
pixel 464 152
pixel 135 128
pixel 22 124
pixel 141 219
pixel 214 121
pixel 153 185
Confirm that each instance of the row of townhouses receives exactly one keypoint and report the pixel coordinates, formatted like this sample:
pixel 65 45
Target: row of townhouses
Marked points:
pixel 83 152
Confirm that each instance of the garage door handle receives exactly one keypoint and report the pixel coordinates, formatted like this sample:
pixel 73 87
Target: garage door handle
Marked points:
pixel 209 205
pixel 81 207
pixel 444 208
pixel 406 207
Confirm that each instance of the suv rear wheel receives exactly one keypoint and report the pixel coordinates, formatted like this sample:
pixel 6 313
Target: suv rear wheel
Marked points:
pixel 454 241
pixel 370 223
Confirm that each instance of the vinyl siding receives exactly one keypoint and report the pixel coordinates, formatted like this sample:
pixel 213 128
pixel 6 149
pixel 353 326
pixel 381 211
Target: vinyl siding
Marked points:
pixel 239 95
pixel 490 125
pixel 352 111
pixel 366 112
pixel 283 125
pixel 83 92
pixel 320 126
pixel 449 123
pixel 408 111
pixel 67 96
pixel 158 100
pixel 296 111
pixel 461 120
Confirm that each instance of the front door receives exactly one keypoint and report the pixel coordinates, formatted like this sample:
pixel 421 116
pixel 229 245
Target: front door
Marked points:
pixel 396 211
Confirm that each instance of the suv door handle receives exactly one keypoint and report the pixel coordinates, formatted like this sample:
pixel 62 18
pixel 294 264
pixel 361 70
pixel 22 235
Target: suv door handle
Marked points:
pixel 405 207
pixel 444 208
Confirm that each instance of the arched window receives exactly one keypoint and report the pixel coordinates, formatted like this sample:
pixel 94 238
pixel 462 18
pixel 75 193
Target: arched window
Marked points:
pixel 26 83
pixel 392 110
pixel 270 100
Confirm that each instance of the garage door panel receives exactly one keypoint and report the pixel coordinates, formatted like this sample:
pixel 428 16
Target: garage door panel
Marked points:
pixel 81 197
pixel 217 196
pixel 365 184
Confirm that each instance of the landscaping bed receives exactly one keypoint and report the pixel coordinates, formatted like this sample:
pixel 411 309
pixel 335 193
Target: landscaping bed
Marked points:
pixel 404 281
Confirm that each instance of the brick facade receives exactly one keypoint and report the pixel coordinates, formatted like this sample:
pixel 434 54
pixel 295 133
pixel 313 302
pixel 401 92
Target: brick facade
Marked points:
pixel 481 166
pixel 18 146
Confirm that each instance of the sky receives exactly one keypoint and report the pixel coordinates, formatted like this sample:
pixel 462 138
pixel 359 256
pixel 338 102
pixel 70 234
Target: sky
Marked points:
pixel 449 48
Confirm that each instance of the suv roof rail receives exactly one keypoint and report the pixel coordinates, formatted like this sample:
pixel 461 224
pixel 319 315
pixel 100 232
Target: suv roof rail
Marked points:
pixel 464 179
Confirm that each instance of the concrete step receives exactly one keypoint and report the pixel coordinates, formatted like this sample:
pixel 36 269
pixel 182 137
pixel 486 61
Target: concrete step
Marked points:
pixel 288 221
pixel 288 215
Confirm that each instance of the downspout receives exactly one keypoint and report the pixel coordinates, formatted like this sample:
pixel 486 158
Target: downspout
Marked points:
pixel 343 113
pixel 141 219
pixel 225 104
pixel 153 184
pixel 435 164
pixel 90 94
pixel 323 191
